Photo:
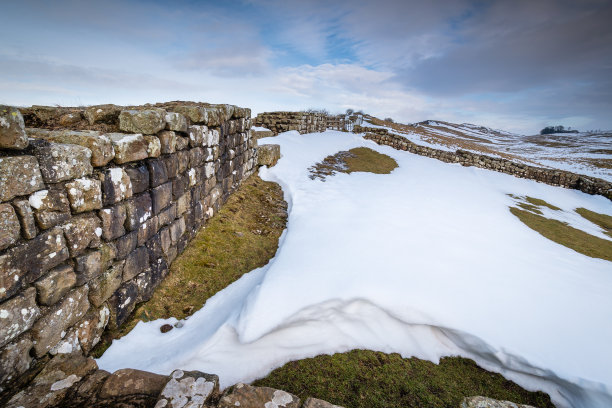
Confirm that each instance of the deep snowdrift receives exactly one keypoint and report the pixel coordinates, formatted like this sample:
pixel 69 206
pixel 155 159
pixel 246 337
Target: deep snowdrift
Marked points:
pixel 426 261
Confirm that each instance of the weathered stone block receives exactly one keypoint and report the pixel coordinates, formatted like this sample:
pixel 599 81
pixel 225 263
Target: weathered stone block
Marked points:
pixel 49 388
pixel 209 170
pixel 9 226
pixel 51 207
pixel 177 229
pixel 212 138
pixel 157 172
pixel 51 328
pixel 26 218
pixel 128 381
pixel 129 148
pixel 138 210
pixel 126 244
pixel 19 176
pixel 148 122
pixel 69 119
pixel 182 204
pixel 122 303
pixel 53 286
pixel 135 263
pixel 172 166
pixel 189 388
pixel 179 186
pixel 268 155
pixel 18 315
pixel 103 286
pixel 147 229
pixel 247 396
pixel 197 134
pixel 28 261
pixel 113 219
pixel 12 129
pixel 90 329
pixel 92 264
pixel 100 145
pixel 484 402
pixel 60 162
pixel 167 140
pixel 139 177
pixel 317 403
pixel 15 359
pixel 153 146
pixel 161 196
pixel 165 217
pixel 84 194
pixel 108 114
pixel 116 185
pixel 82 232
pixel 196 114
pixel 182 143
pixel 176 121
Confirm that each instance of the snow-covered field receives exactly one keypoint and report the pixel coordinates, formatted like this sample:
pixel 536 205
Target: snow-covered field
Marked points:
pixel 584 153
pixel 426 261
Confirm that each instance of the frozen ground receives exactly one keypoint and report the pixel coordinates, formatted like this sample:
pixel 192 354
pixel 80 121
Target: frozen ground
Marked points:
pixel 426 261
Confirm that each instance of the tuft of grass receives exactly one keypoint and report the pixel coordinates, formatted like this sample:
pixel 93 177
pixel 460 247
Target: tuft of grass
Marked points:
pixel 541 203
pixel 565 235
pixel 363 378
pixel 603 220
pixel 358 159
pixel 241 237
pixel 529 207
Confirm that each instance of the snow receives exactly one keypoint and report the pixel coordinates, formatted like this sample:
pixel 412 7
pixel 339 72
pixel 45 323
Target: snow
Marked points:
pixel 426 261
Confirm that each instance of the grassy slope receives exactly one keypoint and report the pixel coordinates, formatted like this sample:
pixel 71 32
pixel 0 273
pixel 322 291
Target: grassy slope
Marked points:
pixel 241 237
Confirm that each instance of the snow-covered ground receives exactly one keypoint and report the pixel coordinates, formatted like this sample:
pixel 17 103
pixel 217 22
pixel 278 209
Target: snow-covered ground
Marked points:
pixel 426 261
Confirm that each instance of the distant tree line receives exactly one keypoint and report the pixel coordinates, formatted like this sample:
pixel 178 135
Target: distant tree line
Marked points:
pixel 556 129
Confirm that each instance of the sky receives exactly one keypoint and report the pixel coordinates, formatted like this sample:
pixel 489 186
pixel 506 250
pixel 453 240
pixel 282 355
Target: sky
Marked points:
pixel 517 65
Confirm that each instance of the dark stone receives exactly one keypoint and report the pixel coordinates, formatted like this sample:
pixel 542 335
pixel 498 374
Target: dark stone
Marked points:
pixel 122 303
pixel 157 172
pixel 126 244
pixel 172 166
pixel 135 263
pixel 147 229
pixel 179 186
pixel 26 218
pixel 166 216
pixel 139 177
pixel 133 382
pixel 161 196
pixel 138 210
pixel 166 328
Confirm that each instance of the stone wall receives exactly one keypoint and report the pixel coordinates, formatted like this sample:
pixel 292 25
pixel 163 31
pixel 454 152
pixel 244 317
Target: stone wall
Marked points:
pixel 303 122
pixel 95 204
pixel 586 184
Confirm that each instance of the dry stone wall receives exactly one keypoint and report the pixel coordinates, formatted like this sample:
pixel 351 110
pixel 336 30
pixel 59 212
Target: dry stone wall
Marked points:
pixel 95 204
pixel 586 184
pixel 303 122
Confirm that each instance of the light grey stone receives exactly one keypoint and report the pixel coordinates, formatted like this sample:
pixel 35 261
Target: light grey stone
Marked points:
pixel 12 129
pixel 19 176
pixel 148 121
pixel 18 315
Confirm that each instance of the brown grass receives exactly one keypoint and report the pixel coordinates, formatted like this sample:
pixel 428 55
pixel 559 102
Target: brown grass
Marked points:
pixel 565 235
pixel 358 159
pixel 603 220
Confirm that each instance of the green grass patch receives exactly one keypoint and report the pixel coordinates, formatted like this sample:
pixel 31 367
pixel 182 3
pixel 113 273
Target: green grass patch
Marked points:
pixel 603 220
pixel 362 378
pixel 358 159
pixel 565 235
pixel 530 207
pixel 541 203
pixel 241 237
